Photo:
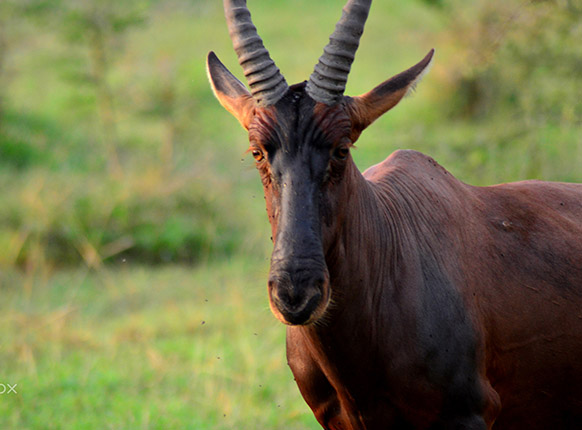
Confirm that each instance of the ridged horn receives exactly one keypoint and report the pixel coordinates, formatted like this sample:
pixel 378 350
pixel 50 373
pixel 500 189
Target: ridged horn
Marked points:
pixel 327 83
pixel 266 81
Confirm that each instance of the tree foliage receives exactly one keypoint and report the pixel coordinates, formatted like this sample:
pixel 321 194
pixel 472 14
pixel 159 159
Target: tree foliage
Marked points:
pixel 519 56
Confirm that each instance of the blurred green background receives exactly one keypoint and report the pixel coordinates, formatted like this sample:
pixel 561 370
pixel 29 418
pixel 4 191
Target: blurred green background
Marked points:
pixel 133 240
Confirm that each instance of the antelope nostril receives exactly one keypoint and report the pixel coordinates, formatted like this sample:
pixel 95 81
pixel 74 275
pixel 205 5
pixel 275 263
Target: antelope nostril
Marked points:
pixel 301 311
pixel 300 302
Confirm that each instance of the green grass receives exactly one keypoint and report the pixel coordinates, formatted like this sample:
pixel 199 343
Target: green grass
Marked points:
pixel 131 347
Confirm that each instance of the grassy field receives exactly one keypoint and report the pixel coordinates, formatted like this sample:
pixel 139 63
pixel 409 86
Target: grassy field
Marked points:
pixel 133 239
pixel 135 348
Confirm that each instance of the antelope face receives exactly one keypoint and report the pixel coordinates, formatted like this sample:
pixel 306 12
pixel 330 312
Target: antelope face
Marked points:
pixel 301 150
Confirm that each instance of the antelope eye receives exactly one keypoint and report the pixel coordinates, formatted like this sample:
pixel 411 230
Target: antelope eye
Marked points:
pixel 257 154
pixel 341 153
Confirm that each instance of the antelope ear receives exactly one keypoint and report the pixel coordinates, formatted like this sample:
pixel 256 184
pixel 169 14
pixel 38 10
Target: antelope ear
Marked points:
pixel 365 109
pixel 230 92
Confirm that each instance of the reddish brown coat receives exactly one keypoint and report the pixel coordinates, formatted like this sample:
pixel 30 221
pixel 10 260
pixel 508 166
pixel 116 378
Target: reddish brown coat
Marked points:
pixel 413 301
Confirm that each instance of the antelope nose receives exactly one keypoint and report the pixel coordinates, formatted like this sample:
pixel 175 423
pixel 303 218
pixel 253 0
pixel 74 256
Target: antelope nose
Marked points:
pixel 296 303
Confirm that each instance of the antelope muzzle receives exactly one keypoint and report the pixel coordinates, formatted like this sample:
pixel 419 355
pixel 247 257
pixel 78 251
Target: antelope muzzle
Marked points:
pixel 299 291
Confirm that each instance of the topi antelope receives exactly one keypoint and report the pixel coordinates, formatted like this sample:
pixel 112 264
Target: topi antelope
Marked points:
pixel 413 300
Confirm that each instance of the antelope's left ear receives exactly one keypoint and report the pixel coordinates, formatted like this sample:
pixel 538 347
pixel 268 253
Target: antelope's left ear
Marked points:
pixel 365 109
pixel 230 92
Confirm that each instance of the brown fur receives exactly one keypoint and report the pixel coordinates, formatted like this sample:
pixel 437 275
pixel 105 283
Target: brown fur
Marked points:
pixel 513 255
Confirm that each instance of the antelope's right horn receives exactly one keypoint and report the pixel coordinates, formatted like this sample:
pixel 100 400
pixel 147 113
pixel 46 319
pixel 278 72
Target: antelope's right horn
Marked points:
pixel 328 81
pixel 264 78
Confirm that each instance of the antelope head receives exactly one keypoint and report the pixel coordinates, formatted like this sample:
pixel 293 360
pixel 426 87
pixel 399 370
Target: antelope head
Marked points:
pixel 300 137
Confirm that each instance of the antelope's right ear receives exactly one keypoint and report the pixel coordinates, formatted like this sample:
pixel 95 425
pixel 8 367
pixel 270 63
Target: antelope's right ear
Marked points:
pixel 365 109
pixel 230 92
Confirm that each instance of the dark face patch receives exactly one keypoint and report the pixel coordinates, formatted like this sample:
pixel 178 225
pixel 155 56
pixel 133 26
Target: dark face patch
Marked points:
pixel 302 149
